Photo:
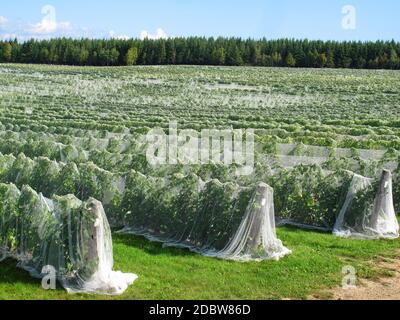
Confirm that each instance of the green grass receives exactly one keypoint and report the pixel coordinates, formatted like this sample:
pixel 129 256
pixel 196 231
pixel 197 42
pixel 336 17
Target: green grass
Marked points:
pixel 168 273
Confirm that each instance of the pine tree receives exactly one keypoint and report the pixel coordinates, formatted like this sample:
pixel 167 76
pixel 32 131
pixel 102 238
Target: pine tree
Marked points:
pixel 321 60
pixel 44 55
pixel 131 56
pixel 276 59
pixel 200 50
pixel 290 60
pixel 394 59
pixel 83 56
pixel 113 56
pixel 360 62
pixel 7 52
pixel 237 57
pixel 255 55
pixel 330 62
pixel 171 51
pixel 162 53
pixel 314 58
pixel 218 56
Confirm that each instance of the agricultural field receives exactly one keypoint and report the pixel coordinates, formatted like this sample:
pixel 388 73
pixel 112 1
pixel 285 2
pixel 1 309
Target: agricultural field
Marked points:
pixel 81 130
pixel 342 108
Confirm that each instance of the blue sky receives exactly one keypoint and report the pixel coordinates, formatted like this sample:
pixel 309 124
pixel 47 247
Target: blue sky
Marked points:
pixel 311 19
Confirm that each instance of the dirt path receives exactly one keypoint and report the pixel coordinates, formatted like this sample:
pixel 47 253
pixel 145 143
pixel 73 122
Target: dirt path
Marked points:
pixel 382 289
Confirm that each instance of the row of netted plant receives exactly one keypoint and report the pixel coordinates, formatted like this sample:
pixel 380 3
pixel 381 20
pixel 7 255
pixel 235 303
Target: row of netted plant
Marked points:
pixel 61 238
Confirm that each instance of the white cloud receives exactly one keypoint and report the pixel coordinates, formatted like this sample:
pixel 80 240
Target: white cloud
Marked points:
pixel 47 26
pixel 160 34
pixel 47 30
pixel 49 23
pixel 3 20
pixel 113 35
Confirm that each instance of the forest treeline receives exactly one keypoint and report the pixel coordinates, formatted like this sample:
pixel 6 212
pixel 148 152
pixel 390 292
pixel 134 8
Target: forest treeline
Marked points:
pixel 205 51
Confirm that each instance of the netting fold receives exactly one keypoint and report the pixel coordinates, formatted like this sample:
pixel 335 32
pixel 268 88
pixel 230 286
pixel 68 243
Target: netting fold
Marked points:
pixel 368 210
pixel 214 219
pixel 255 239
pixel 64 234
pixel 229 219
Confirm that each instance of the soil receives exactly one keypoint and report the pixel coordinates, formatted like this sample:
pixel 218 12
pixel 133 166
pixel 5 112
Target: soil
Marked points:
pixel 387 288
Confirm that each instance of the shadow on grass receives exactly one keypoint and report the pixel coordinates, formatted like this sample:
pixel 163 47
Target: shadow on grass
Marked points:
pixel 151 247
pixel 11 274
pixel 155 248
pixel 295 229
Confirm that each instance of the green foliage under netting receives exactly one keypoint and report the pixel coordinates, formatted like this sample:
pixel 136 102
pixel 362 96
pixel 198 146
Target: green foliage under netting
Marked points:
pixel 334 108
pixel 170 207
pixel 9 197
pixel 80 130
pixel 396 191
pixel 184 209
pixel 39 234
pixel 362 204
pixel 91 129
pixel 124 158
pixel 309 196
pixel 62 235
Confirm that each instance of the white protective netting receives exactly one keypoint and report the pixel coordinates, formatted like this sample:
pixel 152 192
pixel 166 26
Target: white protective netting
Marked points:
pixel 180 210
pixel 368 211
pixel 255 239
pixel 336 189
pixel 219 219
pixel 64 234
pixel 214 219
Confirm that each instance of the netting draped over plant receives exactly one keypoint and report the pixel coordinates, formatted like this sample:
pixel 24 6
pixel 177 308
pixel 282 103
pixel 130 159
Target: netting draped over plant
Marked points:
pixel 368 210
pixel 255 239
pixel 64 233
pixel 214 219
pixel 308 196
pixel 180 209
pixel 129 152
pixel 305 195
pixel 348 203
